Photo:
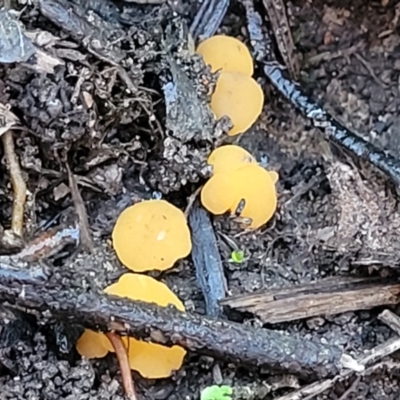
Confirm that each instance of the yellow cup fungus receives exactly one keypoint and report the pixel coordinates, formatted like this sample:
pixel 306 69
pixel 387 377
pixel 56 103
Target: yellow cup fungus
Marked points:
pixel 151 235
pixel 149 359
pixel 228 158
pixel 238 97
pixel 240 180
pixel 92 344
pixel 227 54
pixel 144 288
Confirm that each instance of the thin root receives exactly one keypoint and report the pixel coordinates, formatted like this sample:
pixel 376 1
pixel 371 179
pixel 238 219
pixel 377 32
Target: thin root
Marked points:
pixel 18 184
pixel 122 357
pixel 191 201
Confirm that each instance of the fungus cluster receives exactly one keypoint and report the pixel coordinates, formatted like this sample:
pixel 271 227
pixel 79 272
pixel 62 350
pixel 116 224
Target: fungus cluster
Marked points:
pixel 236 95
pixel 150 235
pixel 154 234
pixel 149 359
pixel 237 177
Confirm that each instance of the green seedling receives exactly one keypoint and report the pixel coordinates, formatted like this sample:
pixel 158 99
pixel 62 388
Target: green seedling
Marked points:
pixel 216 392
pixel 237 257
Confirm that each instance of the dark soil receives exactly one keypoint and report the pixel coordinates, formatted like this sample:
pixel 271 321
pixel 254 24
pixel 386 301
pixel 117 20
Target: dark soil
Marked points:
pixel 114 141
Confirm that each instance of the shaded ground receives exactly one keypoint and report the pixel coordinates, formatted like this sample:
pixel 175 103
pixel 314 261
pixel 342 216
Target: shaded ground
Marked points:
pixel 349 61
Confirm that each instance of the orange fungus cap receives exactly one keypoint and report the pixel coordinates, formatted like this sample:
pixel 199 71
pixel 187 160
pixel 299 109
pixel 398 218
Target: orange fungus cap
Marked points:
pixel 227 54
pixel 92 344
pixel 152 234
pixel 144 288
pixel 217 194
pixel 256 187
pixel 251 183
pixel 238 97
pixel 229 158
pixel 151 360
pixel 274 176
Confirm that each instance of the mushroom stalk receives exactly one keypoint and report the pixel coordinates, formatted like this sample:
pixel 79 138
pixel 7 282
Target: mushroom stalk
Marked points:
pixel 168 326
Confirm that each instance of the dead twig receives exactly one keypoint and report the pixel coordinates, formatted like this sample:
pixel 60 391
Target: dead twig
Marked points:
pixel 333 131
pixel 368 67
pixel 207 260
pixel 122 356
pixel 85 235
pixel 208 18
pixel 168 326
pixel 49 243
pixel 191 200
pixel 18 184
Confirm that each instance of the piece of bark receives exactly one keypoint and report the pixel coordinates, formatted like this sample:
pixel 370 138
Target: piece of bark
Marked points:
pixel 207 260
pixel 216 338
pixel 10 243
pixel 45 62
pixel 80 29
pixel 324 297
pixel 49 243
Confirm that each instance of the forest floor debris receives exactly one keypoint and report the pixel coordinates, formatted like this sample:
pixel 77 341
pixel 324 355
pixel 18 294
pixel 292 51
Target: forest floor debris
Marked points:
pixel 92 112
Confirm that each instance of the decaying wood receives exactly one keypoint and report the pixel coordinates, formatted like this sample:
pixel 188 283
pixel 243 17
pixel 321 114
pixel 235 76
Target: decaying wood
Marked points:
pixel 207 260
pixel 45 62
pixel 324 297
pixel 379 352
pixel 213 337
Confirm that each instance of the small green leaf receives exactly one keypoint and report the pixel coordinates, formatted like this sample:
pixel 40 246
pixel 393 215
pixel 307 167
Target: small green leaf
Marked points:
pixel 237 256
pixel 216 393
